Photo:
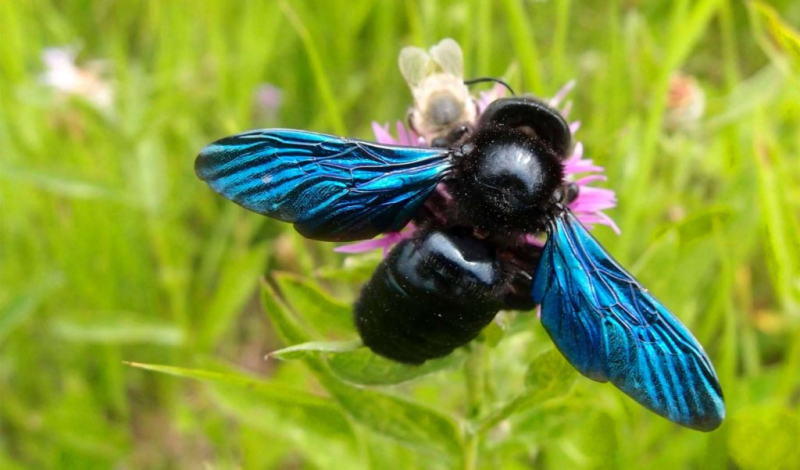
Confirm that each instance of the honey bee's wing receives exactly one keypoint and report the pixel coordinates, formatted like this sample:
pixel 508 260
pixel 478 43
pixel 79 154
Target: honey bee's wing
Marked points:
pixel 447 54
pixel 612 329
pixel 331 188
pixel 415 64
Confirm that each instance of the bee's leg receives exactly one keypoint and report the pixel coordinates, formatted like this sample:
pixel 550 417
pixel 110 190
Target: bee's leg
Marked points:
pixel 438 210
pixel 460 133
pixel 453 138
pixel 566 193
pixel 520 266
pixel 570 192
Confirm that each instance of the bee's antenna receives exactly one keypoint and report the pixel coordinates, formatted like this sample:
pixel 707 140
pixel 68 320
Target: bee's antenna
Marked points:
pixel 489 79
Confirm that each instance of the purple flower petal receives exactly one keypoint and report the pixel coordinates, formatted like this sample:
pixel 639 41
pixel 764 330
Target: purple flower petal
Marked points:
pixel 385 242
pixel 486 97
pixel 402 135
pixel 382 134
pixel 566 109
pixel 588 179
pixel 562 93
pixel 534 240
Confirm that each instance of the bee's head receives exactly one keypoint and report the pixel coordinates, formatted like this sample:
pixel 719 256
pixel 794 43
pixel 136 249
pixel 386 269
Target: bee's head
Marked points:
pixel 507 179
pixel 442 103
pixel 532 117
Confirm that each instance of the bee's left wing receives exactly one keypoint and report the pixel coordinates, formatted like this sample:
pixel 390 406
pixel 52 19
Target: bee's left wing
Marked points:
pixel 331 188
pixel 612 329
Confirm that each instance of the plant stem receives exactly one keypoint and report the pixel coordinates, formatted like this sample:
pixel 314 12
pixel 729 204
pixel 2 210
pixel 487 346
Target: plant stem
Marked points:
pixel 471 451
pixel 475 375
pixel 475 380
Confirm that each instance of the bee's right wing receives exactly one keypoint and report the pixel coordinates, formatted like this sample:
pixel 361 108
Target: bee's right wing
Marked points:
pixel 447 54
pixel 612 329
pixel 331 188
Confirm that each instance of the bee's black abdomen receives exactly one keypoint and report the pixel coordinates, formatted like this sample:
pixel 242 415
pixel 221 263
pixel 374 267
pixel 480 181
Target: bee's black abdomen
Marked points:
pixel 429 296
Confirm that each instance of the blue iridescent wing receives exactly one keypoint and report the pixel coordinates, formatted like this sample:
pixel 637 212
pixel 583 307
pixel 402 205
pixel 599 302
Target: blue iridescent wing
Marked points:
pixel 331 188
pixel 612 329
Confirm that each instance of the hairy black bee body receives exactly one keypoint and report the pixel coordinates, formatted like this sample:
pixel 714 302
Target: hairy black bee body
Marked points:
pixel 507 178
pixel 431 295
pixel 436 292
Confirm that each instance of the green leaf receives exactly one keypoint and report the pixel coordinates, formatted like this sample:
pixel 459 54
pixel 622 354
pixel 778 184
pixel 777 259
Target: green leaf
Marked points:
pixel 320 310
pixel 354 363
pixel 308 421
pixel 236 285
pixel 549 378
pixel 285 323
pixel 362 366
pixel 119 332
pixel 549 375
pixel 356 268
pixel 62 185
pixel 315 60
pixel 300 351
pixel 408 422
pixel 782 34
pixel 411 423
pixel 22 306
pixel 493 333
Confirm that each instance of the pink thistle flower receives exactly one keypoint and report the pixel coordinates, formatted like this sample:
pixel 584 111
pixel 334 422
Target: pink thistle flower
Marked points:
pixel 590 203
pixel 587 206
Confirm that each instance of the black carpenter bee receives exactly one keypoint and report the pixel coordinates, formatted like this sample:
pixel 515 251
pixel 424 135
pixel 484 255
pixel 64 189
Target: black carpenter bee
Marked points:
pixel 468 258
pixel 437 291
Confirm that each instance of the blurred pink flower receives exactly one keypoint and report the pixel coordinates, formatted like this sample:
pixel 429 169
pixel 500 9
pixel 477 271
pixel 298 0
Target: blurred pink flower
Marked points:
pixel 587 206
pixel 63 75
pixel 267 101
pixel 686 103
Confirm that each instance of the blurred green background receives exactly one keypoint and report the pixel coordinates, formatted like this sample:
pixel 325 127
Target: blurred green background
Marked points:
pixel 112 250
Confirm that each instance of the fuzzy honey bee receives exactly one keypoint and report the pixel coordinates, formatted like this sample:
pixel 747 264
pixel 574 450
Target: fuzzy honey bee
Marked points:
pixel 444 112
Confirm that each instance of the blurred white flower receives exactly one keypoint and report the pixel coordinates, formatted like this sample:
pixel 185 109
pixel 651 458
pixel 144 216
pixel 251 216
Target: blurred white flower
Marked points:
pixel 63 75
pixel 686 103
